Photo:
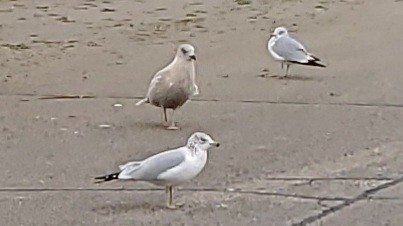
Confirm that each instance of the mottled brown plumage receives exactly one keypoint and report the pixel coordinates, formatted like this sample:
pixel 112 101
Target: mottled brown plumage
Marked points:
pixel 172 86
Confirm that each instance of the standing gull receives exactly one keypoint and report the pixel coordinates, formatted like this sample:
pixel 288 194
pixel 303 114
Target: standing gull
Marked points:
pixel 172 86
pixel 289 51
pixel 168 168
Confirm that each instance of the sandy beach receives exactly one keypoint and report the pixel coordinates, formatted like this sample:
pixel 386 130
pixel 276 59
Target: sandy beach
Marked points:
pixel 322 147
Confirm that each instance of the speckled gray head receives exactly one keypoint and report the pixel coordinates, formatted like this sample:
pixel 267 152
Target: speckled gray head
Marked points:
pixel 186 51
pixel 202 141
pixel 279 32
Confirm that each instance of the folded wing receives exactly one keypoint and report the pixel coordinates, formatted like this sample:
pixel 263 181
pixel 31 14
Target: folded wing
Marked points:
pixel 291 50
pixel 151 168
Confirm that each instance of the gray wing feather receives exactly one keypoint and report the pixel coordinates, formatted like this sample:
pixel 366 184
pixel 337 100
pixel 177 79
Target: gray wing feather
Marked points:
pixel 290 50
pixel 159 77
pixel 152 167
pixel 129 165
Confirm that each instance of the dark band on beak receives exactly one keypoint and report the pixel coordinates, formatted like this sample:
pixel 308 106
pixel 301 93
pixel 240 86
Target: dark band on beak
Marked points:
pixel 193 57
pixel 215 144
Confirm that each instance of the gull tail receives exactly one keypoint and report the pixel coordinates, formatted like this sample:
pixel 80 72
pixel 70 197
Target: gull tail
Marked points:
pixel 143 101
pixel 109 177
pixel 315 63
pixel 312 61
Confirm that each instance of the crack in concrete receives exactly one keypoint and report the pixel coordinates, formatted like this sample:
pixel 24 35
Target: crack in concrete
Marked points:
pixel 385 198
pixel 364 195
pixel 251 101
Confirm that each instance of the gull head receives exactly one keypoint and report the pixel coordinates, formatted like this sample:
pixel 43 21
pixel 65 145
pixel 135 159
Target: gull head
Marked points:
pixel 202 141
pixel 187 52
pixel 279 32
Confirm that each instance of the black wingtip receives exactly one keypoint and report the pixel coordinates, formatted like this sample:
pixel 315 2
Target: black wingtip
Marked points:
pixel 113 176
pixel 310 63
pixel 316 64
pixel 315 58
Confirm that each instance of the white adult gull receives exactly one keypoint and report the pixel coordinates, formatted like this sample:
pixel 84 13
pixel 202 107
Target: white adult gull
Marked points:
pixel 168 168
pixel 172 86
pixel 289 51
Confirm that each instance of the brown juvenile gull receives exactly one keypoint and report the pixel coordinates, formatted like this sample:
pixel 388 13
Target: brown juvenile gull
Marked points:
pixel 168 168
pixel 172 86
pixel 289 51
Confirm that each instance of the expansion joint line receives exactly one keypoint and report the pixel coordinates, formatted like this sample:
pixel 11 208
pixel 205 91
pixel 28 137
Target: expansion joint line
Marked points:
pixel 245 101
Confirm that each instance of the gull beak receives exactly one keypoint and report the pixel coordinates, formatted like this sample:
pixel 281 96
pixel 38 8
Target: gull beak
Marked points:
pixel 272 35
pixel 215 144
pixel 193 57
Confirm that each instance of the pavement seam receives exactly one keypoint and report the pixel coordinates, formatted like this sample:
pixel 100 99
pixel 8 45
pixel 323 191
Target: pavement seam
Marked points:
pixel 363 196
pixel 312 179
pixel 257 191
pixel 251 101
pixel 213 190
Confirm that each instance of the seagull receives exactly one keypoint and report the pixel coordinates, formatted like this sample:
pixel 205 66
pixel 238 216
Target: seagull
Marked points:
pixel 172 86
pixel 289 51
pixel 168 168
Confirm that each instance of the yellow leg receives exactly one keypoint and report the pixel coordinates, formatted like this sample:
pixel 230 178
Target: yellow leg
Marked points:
pixel 287 70
pixel 165 118
pixel 173 125
pixel 170 204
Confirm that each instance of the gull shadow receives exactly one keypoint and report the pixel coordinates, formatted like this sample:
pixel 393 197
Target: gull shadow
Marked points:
pixel 122 208
pixel 157 125
pixel 150 124
pixel 294 78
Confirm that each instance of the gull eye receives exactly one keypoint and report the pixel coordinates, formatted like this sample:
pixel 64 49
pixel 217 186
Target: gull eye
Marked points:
pixel 203 139
pixel 281 32
pixel 184 51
